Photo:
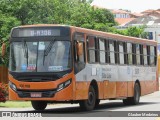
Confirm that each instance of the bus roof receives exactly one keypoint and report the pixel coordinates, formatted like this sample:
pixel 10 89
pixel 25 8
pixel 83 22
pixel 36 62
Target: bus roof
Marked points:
pixel 96 33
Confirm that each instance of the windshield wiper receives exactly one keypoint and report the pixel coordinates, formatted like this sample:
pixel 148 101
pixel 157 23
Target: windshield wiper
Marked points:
pixel 25 51
pixel 48 49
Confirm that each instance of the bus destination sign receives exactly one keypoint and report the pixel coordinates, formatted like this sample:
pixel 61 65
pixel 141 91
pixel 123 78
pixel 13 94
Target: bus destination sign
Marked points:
pixel 39 32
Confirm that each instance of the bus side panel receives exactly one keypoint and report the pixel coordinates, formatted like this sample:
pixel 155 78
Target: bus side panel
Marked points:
pixel 130 89
pixel 100 90
pixel 82 90
pixel 157 77
pixel 121 89
pixel 148 87
pixel 109 89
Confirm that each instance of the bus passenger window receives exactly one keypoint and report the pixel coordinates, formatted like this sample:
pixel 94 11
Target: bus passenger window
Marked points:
pixel 134 54
pixel 138 54
pixel 148 55
pixel 141 55
pixel 102 51
pixel 152 56
pixel 92 49
pixel 155 55
pixel 112 53
pixel 129 51
pixel 145 54
pixel 121 53
pixel 107 53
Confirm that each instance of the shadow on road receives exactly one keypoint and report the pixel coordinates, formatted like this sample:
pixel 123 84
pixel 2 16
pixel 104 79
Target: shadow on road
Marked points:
pixel 74 111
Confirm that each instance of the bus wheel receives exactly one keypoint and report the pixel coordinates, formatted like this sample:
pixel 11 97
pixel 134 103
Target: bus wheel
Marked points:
pixel 39 105
pixel 97 103
pixel 135 99
pixel 89 104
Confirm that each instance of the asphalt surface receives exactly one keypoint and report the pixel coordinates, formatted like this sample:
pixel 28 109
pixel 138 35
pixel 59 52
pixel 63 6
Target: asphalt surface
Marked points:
pixel 106 108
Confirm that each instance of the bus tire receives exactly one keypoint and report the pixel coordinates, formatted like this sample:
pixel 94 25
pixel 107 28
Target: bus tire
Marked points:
pixel 89 104
pixel 97 103
pixel 135 99
pixel 39 105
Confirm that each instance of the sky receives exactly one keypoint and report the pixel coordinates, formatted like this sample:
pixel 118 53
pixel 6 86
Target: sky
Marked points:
pixel 133 5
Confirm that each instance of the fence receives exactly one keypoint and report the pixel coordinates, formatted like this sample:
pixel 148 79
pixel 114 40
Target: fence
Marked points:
pixel 3 74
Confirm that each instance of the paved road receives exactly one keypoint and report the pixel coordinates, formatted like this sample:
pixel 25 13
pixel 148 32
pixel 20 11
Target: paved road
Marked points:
pixel 107 108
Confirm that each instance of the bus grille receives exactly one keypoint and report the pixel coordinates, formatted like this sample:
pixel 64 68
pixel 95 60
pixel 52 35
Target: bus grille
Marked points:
pixel 27 94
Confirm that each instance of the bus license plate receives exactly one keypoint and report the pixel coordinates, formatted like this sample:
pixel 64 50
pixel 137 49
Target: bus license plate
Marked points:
pixel 36 95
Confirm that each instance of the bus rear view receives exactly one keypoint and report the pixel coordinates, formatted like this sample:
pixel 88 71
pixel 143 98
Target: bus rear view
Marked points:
pixel 40 67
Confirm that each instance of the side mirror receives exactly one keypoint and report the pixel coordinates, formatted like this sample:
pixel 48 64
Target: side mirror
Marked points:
pixel 3 49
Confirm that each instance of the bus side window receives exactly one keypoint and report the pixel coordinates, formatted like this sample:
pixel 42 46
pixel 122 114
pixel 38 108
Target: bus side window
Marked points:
pixel 141 55
pixel 155 55
pixel 129 52
pixel 107 51
pixel 145 54
pixel 125 53
pixel 148 55
pixel 116 51
pixel 112 53
pixel 134 54
pixel 121 52
pixel 79 51
pixel 138 54
pixel 93 52
pixel 152 55
pixel 102 50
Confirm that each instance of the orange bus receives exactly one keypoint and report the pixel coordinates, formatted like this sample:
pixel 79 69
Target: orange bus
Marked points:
pixel 67 64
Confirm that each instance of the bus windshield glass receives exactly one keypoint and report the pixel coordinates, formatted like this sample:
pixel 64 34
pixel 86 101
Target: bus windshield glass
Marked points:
pixel 40 56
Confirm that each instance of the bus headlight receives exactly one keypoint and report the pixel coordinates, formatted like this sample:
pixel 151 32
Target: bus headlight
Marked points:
pixel 64 85
pixel 12 86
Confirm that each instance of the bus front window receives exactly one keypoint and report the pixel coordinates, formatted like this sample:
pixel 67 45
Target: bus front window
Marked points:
pixel 41 56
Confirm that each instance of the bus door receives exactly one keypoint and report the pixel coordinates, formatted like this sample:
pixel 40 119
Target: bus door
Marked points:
pixel 79 66
pixel 79 52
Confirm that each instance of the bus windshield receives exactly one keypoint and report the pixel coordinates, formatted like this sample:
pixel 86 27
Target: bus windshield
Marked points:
pixel 40 56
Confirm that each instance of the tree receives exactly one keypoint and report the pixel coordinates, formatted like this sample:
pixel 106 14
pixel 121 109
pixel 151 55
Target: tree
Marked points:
pixel 132 31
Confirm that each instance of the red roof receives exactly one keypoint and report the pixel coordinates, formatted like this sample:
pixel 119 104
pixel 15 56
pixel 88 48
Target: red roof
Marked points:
pixel 121 21
pixel 137 14
pixel 119 12
pixel 148 11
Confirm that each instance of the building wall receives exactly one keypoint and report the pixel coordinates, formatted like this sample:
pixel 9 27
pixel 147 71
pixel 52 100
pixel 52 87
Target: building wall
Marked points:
pixel 118 15
pixel 156 35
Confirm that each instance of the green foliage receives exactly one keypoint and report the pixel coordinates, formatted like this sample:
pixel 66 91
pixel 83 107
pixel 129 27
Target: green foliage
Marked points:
pixel 133 31
pixel 6 23
pixel 70 12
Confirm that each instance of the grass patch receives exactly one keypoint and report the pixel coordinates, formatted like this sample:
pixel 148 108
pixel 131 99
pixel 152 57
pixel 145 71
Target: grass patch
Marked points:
pixel 15 104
